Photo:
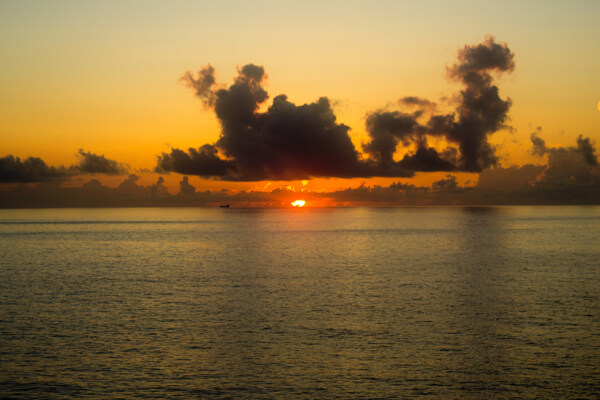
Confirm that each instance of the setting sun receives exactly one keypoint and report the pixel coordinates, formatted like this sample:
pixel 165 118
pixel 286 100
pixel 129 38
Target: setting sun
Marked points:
pixel 298 203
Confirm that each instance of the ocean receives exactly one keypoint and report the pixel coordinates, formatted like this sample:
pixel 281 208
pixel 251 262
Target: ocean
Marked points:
pixel 349 303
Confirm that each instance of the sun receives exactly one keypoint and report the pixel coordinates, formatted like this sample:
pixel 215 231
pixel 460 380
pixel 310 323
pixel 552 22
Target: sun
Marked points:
pixel 298 203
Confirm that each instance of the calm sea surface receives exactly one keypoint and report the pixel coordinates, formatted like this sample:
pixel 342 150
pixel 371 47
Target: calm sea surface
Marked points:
pixel 469 303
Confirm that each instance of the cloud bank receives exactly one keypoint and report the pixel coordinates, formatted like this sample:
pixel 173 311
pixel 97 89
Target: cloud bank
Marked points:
pixel 571 175
pixel 290 142
pixel 34 169
pixel 286 142
pixel 31 169
pixel 480 113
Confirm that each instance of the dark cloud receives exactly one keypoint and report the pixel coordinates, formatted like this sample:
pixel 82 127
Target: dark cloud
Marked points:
pixel 449 182
pixel 185 188
pixel 509 178
pixel 202 84
pixel 575 165
pixel 476 62
pixel 90 163
pixel 34 169
pixel 31 169
pixel 285 142
pixel 396 193
pixel 416 101
pixel 480 113
pixel 428 159
pixel 129 185
pixel 159 188
pixel 572 166
pixel 202 162
pixel 539 144
pixel 587 150
pixel 288 141
pixel 571 176
pixel 386 129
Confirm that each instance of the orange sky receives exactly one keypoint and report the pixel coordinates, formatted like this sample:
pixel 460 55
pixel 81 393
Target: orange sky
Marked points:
pixel 105 76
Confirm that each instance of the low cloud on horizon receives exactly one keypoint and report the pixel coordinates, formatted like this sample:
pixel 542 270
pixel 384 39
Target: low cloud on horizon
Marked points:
pixel 34 169
pixel 570 176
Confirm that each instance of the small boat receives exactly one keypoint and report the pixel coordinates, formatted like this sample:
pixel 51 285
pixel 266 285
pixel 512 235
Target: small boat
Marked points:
pixel 224 206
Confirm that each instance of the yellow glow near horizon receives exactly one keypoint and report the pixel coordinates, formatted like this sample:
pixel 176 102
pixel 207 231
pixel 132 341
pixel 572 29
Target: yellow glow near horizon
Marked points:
pixel 298 203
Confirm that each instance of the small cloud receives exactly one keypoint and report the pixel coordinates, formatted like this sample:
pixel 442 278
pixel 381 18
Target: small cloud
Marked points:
pixel 34 169
pixel 185 189
pixel 90 163
pixel 539 145
pixel 448 183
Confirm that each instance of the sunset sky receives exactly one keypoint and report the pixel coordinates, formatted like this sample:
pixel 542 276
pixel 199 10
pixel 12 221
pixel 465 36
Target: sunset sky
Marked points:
pixel 109 78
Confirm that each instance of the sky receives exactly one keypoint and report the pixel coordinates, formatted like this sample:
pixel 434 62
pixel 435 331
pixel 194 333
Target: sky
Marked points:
pixel 386 102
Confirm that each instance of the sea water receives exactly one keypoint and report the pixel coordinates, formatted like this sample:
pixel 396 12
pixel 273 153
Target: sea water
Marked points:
pixel 357 303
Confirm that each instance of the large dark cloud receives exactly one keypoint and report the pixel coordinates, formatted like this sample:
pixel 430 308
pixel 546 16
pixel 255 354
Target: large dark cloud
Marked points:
pixel 288 141
pixel 480 113
pixel 34 169
pixel 285 142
